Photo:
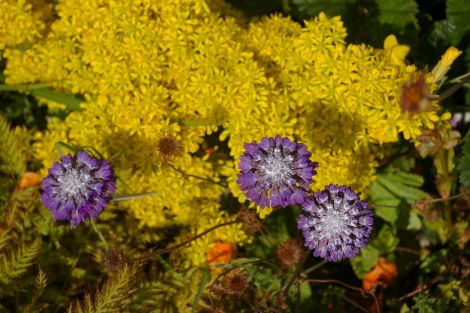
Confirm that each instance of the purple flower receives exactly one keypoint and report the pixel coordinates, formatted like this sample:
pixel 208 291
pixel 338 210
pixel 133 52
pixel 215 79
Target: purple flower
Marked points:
pixel 335 223
pixel 275 172
pixel 78 188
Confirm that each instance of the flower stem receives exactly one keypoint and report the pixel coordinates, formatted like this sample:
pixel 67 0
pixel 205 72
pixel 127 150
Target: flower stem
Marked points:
pixel 100 235
pixel 184 174
pixel 134 196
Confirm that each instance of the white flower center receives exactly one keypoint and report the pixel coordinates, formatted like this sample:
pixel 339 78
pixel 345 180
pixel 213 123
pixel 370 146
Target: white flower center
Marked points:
pixel 334 222
pixel 276 166
pixel 74 181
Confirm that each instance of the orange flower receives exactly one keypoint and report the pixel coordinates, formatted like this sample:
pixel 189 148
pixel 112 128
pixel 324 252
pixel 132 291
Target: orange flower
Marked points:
pixel 29 179
pixel 382 274
pixel 219 253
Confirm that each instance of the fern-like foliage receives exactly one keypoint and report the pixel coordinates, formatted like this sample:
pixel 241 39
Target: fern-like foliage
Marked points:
pixel 5 237
pixel 15 265
pixel 113 296
pixel 40 284
pixel 12 162
pixel 11 159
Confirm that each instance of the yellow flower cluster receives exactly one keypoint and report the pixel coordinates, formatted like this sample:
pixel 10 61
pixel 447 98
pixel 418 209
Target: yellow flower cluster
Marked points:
pixel 22 22
pixel 194 67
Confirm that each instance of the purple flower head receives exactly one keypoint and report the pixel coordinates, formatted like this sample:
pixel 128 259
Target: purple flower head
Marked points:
pixel 78 188
pixel 335 223
pixel 275 172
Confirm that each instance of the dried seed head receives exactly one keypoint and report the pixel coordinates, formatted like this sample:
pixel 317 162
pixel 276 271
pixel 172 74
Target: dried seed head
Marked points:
pixel 289 253
pixel 113 260
pixel 250 220
pixel 235 283
pixel 415 95
pixel 169 147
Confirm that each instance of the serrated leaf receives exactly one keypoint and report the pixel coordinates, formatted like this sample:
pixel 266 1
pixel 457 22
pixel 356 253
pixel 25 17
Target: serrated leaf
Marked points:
pixel 363 262
pixel 464 164
pixel 397 13
pixel 311 8
pixel 392 189
pixel 458 12
pixel 443 30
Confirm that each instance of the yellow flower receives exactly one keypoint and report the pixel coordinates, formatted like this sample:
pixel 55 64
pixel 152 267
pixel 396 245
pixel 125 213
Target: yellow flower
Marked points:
pixel 443 66
pixel 394 52
pixel 200 68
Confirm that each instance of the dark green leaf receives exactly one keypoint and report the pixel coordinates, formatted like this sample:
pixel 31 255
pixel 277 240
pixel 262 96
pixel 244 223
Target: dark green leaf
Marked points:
pixel 397 13
pixel 458 12
pixel 311 8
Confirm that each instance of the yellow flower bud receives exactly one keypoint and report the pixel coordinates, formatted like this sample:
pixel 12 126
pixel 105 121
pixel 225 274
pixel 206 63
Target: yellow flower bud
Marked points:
pixel 441 69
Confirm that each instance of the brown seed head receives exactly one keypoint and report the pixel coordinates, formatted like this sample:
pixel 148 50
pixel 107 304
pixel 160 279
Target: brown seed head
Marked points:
pixel 235 283
pixel 113 260
pixel 250 220
pixel 415 95
pixel 289 253
pixel 169 147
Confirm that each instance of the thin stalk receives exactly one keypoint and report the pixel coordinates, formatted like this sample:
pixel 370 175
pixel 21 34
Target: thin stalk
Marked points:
pixel 135 196
pixel 194 176
pixel 100 235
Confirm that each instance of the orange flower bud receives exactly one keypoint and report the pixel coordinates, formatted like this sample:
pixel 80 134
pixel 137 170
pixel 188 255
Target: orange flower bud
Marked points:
pixel 29 179
pixel 382 274
pixel 219 253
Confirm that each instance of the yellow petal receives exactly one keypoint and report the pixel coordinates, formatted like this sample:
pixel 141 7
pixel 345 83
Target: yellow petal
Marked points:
pixel 399 54
pixel 390 42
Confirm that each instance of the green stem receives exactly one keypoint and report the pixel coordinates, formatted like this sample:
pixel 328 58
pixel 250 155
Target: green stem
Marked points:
pixel 100 235
pixel 135 196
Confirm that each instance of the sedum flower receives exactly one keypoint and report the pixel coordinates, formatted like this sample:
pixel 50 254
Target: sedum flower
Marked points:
pixel 395 52
pixel 78 188
pixel 335 223
pixel 276 171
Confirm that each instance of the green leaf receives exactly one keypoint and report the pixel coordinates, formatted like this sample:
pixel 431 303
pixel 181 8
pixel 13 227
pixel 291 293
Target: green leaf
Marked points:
pixel 397 13
pixel 464 164
pixel 423 303
pixel 202 285
pixel 311 8
pixel 443 30
pixel 72 103
pixel 414 221
pixel 458 12
pixel 386 241
pixel 405 308
pixel 362 263
pixel 392 189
